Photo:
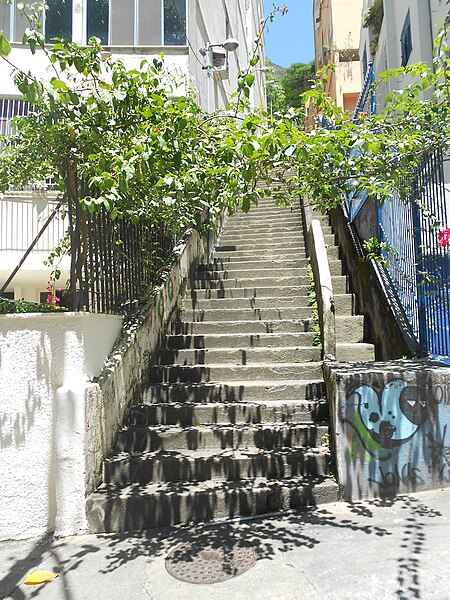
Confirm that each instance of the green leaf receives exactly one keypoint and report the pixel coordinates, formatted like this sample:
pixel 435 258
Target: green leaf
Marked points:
pixel 249 79
pixel 58 84
pixel 245 204
pixel 5 46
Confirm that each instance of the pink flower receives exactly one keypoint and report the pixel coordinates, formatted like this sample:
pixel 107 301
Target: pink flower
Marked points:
pixel 444 237
pixel 50 299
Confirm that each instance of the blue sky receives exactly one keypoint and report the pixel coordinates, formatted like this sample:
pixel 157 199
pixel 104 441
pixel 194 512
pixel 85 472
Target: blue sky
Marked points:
pixel 289 38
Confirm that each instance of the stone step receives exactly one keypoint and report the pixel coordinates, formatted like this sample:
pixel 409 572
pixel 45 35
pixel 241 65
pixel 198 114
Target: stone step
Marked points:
pixel 335 266
pixel 267 209
pixel 236 391
pixel 240 356
pixel 269 254
pixel 330 239
pixel 345 304
pixel 191 413
pixel 246 314
pixel 265 217
pixel 262 246
pixel 253 292
pixel 350 329
pixel 258 240
pixel 340 284
pixel 359 352
pixel 278 229
pixel 251 303
pixel 254 326
pixel 225 465
pixel 333 252
pixel 254 273
pixel 226 264
pixel 255 435
pixel 228 372
pixel 263 222
pixel 135 508
pixel 253 282
pixel 238 340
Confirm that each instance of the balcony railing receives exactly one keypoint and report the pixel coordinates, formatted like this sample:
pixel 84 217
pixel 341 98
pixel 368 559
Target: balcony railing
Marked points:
pixel 21 218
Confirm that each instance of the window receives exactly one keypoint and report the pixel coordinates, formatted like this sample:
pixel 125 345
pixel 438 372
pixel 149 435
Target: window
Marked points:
pixel 8 110
pixel 58 20
pixel 98 20
pixel 5 11
pixel 8 295
pixel 114 22
pixel 406 41
pixel 174 22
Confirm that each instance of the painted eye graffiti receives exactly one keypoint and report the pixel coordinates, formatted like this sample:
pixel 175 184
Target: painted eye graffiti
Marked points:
pixel 392 417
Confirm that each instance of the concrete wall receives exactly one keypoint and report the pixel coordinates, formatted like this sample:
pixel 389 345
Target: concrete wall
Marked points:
pixel 175 62
pixel 391 426
pixel 46 363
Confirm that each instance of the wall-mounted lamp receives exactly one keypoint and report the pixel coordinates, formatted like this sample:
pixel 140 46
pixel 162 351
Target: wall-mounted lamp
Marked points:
pixel 230 45
pixel 217 60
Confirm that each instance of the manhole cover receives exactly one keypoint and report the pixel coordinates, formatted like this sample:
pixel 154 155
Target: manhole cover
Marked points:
pixel 209 564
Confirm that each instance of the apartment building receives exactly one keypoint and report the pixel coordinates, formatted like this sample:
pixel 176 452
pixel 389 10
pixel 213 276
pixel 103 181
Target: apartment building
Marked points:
pixel 403 35
pixel 191 36
pixel 337 25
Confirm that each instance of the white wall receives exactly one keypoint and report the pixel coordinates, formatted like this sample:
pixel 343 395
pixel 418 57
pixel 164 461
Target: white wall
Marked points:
pixel 175 61
pixel 47 362
pixel 208 23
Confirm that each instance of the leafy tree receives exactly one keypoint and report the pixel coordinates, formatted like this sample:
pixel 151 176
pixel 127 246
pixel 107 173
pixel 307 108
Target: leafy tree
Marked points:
pixel 297 79
pixel 119 139
pixel 284 91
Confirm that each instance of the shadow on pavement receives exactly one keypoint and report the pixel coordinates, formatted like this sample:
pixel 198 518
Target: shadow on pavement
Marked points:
pixel 266 535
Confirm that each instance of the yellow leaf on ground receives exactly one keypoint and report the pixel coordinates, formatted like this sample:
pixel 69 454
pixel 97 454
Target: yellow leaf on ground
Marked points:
pixel 38 577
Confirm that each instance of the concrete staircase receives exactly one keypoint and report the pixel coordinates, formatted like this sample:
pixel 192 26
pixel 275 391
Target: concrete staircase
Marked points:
pixel 350 345
pixel 234 421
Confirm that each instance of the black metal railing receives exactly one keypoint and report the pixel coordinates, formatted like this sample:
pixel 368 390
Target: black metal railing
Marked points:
pixel 115 264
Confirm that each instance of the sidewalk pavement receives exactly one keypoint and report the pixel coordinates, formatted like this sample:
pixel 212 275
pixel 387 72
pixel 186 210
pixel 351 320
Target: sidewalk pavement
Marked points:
pixel 377 549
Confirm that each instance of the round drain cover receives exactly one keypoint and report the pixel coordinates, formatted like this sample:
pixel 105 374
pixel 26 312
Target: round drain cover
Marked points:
pixel 209 564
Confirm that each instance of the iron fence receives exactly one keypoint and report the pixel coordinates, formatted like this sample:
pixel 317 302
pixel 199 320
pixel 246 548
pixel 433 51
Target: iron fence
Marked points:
pixel 418 266
pixel 114 263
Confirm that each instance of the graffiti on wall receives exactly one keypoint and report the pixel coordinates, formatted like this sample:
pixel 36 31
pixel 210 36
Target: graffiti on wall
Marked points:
pixel 387 418
pixel 395 432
